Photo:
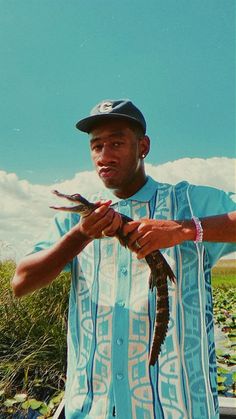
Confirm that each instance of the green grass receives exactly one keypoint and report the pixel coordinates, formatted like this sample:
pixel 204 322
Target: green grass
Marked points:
pixel 228 282
pixel 33 338
pixel 224 274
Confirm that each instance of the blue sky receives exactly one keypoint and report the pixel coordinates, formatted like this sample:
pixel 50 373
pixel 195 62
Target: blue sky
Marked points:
pixel 174 58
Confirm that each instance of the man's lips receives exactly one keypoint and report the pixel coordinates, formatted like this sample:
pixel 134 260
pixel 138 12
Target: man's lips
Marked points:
pixel 107 172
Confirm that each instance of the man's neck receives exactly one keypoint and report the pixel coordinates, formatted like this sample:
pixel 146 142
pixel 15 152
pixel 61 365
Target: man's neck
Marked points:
pixel 130 189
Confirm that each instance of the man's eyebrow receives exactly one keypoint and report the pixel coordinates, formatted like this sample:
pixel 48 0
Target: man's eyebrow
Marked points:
pixel 92 140
pixel 119 133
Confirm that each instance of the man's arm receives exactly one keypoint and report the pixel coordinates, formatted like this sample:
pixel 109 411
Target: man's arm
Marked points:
pixel 158 234
pixel 40 269
pixel 220 228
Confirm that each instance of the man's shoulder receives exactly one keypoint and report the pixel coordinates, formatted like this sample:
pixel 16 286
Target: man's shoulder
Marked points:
pixel 185 185
pixel 171 186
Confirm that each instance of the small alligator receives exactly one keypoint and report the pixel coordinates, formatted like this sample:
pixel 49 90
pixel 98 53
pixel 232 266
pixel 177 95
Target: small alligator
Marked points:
pixel 160 270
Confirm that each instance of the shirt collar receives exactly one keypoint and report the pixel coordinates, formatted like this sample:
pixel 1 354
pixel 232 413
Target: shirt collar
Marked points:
pixel 142 195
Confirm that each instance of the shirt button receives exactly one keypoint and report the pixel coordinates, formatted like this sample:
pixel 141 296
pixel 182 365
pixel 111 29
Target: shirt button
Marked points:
pixel 119 341
pixel 119 376
pixel 124 271
pixel 123 203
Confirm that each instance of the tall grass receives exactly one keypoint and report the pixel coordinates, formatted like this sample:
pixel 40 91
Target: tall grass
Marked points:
pixel 33 337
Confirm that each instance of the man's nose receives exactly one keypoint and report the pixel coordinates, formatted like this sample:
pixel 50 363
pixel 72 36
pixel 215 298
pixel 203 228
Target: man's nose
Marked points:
pixel 105 156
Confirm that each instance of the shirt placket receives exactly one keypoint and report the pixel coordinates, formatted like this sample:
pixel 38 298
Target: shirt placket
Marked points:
pixel 121 327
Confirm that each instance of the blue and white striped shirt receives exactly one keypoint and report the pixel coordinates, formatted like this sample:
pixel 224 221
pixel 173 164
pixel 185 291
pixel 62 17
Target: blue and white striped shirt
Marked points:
pixel 112 313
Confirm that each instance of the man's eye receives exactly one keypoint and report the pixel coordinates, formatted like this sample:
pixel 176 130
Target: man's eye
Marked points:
pixel 96 147
pixel 116 144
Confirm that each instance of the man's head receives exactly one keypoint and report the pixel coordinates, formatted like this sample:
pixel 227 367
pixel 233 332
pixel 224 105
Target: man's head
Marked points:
pixel 118 145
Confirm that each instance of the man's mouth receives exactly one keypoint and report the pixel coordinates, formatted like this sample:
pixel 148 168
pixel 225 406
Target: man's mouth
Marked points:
pixel 107 172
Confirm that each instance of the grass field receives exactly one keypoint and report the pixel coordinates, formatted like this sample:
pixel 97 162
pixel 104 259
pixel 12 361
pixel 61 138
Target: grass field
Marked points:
pixel 224 274
pixel 33 339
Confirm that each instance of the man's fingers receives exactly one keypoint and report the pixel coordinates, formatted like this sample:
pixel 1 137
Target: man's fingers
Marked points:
pixel 129 227
pixel 116 223
pixel 101 211
pixel 105 222
pixel 106 203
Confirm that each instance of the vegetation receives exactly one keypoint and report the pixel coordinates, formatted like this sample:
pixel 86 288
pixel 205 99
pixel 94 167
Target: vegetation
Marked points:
pixel 224 295
pixel 32 345
pixel 33 341
pixel 224 274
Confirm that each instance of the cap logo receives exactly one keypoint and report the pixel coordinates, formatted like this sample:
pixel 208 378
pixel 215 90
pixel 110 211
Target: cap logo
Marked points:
pixel 105 107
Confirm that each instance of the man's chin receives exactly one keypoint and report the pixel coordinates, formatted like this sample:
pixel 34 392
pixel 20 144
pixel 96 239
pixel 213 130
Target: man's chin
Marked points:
pixel 109 183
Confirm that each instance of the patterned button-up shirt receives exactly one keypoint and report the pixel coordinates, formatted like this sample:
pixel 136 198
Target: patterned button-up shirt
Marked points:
pixel 112 313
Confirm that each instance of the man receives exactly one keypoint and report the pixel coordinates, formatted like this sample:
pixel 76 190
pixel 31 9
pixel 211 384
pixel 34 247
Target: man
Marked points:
pixel 112 311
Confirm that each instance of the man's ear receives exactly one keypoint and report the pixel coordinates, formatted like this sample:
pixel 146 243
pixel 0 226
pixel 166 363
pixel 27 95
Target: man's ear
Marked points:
pixel 144 146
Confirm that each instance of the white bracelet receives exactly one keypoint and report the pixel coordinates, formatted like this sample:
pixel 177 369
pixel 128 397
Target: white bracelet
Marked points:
pixel 199 230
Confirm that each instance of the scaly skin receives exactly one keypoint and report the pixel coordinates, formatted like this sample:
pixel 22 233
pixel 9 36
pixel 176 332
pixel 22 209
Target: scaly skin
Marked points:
pixel 160 270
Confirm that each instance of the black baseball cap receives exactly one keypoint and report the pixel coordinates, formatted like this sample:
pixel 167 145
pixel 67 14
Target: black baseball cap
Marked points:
pixel 109 109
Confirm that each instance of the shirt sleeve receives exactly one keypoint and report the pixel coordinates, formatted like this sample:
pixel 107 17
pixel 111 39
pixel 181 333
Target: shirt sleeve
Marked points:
pixel 206 201
pixel 60 225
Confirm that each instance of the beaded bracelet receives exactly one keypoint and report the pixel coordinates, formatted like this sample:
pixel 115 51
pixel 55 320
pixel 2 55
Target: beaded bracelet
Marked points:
pixel 199 230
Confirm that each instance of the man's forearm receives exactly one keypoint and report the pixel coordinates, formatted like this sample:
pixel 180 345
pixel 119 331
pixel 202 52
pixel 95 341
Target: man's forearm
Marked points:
pixel 217 228
pixel 40 269
pixel 160 234
pixel 220 228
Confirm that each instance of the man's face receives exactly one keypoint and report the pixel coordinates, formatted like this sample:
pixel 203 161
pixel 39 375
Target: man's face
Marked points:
pixel 116 153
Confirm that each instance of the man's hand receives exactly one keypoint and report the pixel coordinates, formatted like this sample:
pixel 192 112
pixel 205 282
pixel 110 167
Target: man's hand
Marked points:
pixel 147 235
pixel 103 221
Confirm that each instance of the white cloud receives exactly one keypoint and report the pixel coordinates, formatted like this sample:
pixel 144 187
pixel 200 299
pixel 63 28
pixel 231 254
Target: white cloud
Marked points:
pixel 219 172
pixel 25 211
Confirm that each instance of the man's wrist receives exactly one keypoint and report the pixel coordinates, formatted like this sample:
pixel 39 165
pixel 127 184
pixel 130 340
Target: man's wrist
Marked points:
pixel 188 230
pixel 72 244
pixel 199 230
pixel 77 237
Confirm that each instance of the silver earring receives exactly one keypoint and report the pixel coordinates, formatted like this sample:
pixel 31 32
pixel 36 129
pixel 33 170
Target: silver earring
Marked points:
pixel 143 156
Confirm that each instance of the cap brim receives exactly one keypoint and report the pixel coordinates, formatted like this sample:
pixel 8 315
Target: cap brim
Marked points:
pixel 87 124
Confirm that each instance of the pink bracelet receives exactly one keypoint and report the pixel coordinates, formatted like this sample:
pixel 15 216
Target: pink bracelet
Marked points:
pixel 199 230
